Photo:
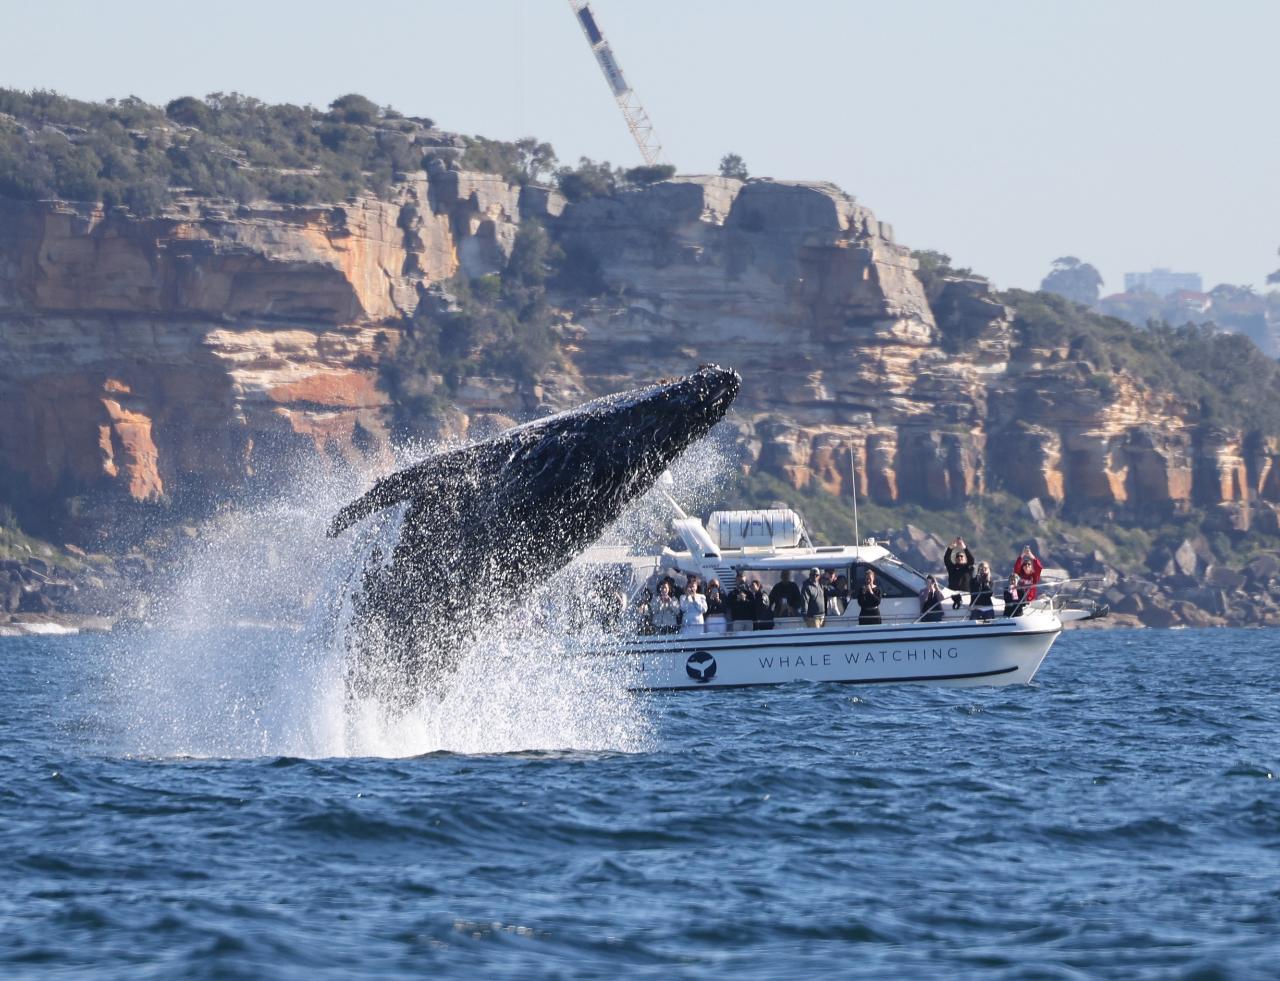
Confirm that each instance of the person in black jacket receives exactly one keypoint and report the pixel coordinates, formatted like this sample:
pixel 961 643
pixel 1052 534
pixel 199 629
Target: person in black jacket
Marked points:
pixel 785 596
pixel 715 602
pixel 760 605
pixel 868 597
pixel 959 562
pixel 931 602
pixel 742 608
pixel 980 605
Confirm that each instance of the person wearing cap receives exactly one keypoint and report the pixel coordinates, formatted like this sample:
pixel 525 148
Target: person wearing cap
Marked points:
pixel 813 602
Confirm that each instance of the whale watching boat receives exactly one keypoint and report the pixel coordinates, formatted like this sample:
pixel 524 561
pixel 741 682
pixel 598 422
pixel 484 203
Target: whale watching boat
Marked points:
pixel 763 544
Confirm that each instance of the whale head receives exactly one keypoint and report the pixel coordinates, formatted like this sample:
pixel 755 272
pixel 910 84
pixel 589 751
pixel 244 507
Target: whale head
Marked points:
pixel 593 460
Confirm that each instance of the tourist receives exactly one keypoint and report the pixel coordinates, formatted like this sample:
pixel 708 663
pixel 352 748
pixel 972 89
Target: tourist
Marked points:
pixel 693 609
pixel 980 604
pixel 716 609
pixel 1028 569
pixel 869 596
pixel 666 610
pixel 613 607
pixel 642 612
pixel 839 599
pixel 1015 600
pixel 785 596
pixel 930 602
pixel 672 588
pixel 832 606
pixel 813 604
pixel 742 608
pixel 760 607
pixel 959 562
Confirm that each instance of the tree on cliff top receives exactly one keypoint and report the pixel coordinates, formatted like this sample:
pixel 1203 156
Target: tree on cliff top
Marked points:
pixel 588 180
pixel 645 175
pixel 732 165
pixel 354 108
pixel 1275 276
pixel 1076 280
pixel 526 161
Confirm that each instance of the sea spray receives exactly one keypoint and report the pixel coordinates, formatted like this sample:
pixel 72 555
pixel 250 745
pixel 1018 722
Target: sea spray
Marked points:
pixel 246 652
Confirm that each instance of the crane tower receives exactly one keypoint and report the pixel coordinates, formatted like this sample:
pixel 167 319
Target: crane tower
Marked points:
pixel 632 111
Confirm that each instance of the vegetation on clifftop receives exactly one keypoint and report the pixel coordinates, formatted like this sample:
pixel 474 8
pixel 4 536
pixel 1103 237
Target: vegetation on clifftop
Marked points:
pixel 1234 384
pixel 127 152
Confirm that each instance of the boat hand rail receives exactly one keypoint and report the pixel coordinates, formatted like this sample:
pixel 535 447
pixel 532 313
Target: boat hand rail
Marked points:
pixel 1080 593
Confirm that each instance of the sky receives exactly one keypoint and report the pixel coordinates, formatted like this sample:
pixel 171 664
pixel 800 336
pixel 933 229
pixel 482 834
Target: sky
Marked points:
pixel 1006 133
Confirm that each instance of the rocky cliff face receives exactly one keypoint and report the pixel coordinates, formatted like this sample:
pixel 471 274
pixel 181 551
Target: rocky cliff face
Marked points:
pixel 155 358
pixel 189 354
pixel 807 293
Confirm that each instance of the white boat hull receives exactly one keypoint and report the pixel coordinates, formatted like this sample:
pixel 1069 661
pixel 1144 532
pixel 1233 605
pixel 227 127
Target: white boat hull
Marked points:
pixel 959 653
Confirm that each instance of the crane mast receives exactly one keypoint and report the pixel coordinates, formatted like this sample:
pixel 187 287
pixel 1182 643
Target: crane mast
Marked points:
pixel 632 111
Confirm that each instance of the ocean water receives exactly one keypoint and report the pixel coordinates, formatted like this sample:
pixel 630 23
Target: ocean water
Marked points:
pixel 1118 818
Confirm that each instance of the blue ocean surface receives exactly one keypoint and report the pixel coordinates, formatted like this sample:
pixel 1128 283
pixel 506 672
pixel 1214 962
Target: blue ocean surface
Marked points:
pixel 1120 817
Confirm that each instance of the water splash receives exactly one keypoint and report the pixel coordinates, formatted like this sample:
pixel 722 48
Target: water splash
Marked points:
pixel 246 655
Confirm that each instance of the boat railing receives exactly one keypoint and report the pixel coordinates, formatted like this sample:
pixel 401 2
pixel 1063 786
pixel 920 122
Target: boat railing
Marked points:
pixel 1082 594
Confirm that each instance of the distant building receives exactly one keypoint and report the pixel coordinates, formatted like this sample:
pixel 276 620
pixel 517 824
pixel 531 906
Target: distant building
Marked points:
pixel 1162 282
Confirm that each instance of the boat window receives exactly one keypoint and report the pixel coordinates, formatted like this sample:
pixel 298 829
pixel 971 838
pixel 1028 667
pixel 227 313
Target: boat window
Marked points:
pixel 902 572
pixel 890 582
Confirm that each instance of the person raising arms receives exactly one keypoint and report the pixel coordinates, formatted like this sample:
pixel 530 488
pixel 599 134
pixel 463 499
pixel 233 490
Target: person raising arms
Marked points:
pixel 1028 569
pixel 959 562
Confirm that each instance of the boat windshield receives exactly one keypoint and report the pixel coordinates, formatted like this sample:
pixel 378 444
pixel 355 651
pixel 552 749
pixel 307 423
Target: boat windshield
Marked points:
pixel 902 572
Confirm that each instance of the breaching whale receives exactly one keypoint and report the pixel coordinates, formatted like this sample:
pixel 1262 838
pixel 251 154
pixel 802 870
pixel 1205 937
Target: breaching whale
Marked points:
pixel 486 523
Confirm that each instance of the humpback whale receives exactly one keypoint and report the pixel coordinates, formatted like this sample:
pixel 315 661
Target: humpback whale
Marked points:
pixel 494 518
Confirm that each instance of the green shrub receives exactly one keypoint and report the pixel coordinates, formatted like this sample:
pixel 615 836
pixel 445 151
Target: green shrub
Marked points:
pixel 588 180
pixel 642 176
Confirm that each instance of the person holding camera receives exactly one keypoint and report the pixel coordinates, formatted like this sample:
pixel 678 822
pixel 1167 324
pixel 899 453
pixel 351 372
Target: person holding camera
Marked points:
pixel 930 602
pixel 980 603
pixel 959 562
pixel 1028 569
pixel 1015 600
pixel 868 597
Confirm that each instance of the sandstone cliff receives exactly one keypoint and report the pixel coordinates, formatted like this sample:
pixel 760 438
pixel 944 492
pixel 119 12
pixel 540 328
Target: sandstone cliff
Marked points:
pixel 184 356
pixel 186 353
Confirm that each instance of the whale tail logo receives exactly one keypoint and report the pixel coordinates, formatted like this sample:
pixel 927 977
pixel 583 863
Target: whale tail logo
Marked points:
pixel 701 666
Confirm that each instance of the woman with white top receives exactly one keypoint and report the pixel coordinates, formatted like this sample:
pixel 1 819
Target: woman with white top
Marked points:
pixel 693 609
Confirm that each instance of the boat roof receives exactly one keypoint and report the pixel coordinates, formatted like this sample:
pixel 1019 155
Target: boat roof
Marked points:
pixel 800 557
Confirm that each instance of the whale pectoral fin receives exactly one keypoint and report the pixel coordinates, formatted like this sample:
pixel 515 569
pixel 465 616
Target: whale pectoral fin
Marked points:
pixel 389 490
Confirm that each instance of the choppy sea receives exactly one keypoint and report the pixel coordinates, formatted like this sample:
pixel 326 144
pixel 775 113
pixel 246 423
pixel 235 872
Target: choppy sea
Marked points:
pixel 1120 817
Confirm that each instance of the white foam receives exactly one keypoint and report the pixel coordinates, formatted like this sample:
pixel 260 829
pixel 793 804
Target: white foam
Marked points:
pixel 246 658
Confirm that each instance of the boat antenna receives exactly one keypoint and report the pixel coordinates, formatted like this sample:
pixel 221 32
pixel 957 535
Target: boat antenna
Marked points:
pixel 853 469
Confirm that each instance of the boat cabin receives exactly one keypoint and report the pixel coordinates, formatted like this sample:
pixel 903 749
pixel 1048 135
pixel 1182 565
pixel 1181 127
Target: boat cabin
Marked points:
pixel 763 544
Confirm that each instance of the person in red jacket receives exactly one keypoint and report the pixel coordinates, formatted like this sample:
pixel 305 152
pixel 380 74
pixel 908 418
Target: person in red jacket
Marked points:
pixel 1028 568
